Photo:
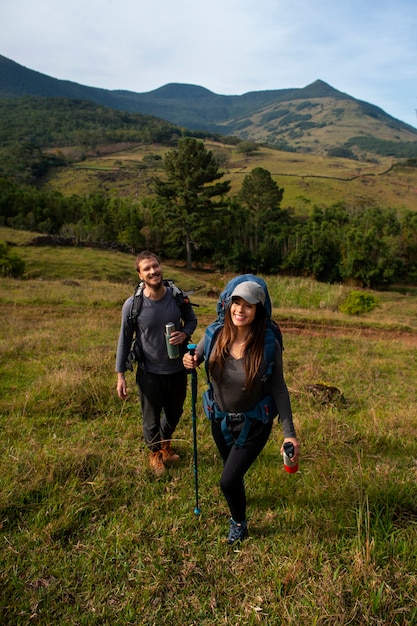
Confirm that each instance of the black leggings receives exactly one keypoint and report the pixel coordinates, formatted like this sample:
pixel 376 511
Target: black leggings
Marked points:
pixel 237 461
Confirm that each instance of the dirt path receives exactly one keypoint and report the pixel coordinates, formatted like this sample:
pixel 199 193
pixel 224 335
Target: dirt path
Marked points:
pixel 321 330
pixel 318 329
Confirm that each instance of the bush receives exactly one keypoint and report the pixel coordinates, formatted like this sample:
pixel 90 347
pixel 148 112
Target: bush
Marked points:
pixel 10 264
pixel 342 152
pixel 358 302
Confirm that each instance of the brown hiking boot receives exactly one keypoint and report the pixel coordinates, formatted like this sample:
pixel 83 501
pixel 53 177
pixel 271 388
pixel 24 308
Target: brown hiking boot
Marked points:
pixel 168 454
pixel 156 463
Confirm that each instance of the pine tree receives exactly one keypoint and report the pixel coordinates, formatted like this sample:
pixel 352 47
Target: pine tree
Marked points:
pixel 186 196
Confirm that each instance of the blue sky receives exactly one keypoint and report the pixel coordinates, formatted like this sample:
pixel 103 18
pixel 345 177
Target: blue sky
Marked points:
pixel 365 48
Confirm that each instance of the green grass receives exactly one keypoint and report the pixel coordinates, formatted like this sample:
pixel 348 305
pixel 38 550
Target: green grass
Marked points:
pixel 89 536
pixel 308 180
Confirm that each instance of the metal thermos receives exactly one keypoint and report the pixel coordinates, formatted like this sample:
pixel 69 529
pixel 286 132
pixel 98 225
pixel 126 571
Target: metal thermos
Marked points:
pixel 289 464
pixel 173 351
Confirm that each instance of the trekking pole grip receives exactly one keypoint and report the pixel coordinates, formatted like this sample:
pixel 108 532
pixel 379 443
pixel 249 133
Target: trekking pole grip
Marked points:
pixel 191 347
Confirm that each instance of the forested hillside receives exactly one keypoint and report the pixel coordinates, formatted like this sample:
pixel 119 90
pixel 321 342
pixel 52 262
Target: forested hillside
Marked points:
pixel 58 122
pixel 314 119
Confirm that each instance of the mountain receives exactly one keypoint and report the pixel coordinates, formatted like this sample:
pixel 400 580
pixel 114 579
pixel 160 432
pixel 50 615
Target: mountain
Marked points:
pixel 316 118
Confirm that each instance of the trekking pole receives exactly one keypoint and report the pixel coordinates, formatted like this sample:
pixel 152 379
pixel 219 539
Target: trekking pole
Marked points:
pixel 191 347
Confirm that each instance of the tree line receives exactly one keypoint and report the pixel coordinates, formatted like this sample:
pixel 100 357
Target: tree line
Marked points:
pixel 192 217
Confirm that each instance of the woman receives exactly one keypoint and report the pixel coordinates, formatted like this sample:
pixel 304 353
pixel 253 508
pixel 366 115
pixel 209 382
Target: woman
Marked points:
pixel 236 367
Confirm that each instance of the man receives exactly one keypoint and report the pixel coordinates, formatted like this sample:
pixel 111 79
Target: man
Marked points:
pixel 161 381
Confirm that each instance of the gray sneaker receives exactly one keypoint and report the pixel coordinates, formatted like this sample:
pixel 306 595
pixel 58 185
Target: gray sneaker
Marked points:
pixel 237 532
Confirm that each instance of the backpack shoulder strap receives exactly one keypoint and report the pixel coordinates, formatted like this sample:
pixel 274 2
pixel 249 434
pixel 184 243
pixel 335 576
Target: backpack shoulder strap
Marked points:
pixel 181 298
pixel 210 337
pixel 269 353
pixel 137 302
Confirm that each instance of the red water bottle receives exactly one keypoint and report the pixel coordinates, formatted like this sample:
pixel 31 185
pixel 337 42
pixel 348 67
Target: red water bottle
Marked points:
pixel 289 465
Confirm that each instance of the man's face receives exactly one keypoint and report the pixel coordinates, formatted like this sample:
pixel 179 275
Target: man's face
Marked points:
pixel 150 272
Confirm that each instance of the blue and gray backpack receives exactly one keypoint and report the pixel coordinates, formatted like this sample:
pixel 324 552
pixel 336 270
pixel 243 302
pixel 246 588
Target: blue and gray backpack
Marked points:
pixel 265 410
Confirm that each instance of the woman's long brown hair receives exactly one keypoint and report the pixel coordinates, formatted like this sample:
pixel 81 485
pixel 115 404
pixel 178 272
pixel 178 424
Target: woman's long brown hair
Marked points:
pixel 254 348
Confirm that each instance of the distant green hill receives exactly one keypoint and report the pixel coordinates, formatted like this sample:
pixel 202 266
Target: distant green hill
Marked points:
pixel 57 122
pixel 315 119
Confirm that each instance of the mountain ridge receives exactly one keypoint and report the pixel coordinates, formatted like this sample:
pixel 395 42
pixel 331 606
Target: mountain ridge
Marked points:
pixel 315 118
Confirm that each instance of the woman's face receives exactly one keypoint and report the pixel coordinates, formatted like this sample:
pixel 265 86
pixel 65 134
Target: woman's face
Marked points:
pixel 242 313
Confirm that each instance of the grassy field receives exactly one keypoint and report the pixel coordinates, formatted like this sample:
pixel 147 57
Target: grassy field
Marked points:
pixel 89 536
pixel 307 179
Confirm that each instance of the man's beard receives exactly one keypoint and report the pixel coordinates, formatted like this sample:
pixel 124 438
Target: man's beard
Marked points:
pixel 155 286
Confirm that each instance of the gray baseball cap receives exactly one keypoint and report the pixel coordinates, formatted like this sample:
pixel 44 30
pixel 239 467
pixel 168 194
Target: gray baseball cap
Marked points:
pixel 249 291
